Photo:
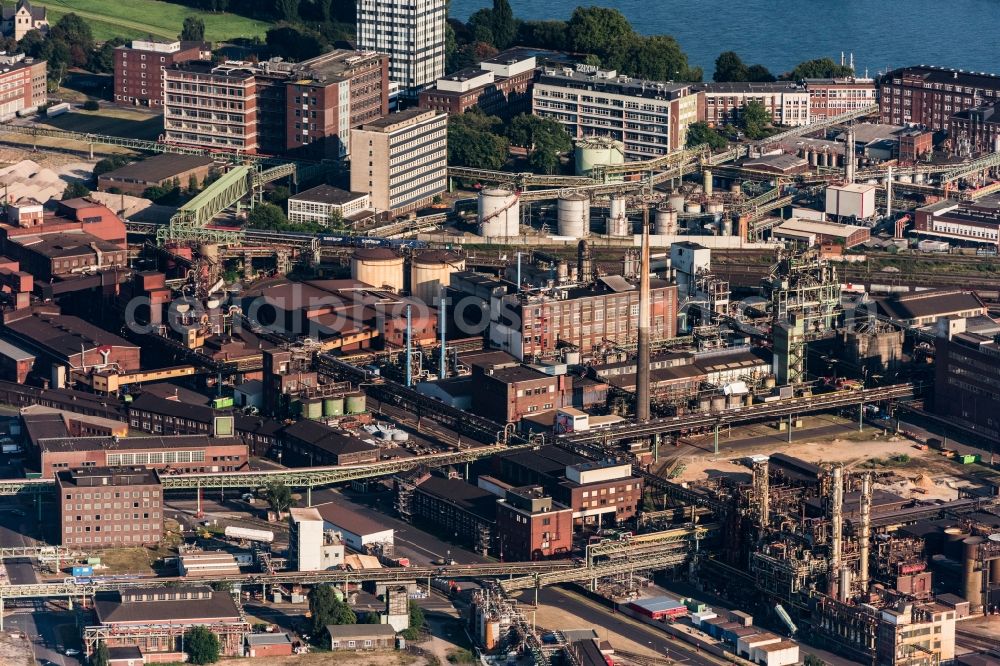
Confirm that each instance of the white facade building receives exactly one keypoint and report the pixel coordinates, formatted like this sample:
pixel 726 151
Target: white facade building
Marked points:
pixel 321 203
pixel 412 32
pixel 305 539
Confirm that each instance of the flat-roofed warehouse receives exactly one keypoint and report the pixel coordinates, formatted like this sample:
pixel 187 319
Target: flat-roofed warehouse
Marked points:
pixel 357 530
pixel 815 232
pixel 156 171
pixel 925 308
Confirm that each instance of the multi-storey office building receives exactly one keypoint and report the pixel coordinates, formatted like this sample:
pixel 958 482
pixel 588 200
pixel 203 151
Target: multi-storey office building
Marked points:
pixel 411 32
pixel 22 84
pixel 139 69
pixel 401 160
pixel 499 86
pixel 273 107
pixel 650 117
pixel 967 385
pixel 105 507
pixel 787 103
pixel 832 97
pixel 929 96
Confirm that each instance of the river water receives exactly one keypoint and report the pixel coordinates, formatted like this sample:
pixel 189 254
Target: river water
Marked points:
pixel 781 33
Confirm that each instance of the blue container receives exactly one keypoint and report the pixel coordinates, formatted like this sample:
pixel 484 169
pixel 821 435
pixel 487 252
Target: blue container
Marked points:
pixel 83 572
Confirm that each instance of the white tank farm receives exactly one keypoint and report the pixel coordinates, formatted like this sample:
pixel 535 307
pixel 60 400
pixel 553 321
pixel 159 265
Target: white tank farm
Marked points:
pixel 431 271
pixel 618 222
pixel 665 221
pixel 499 213
pixel 596 150
pixel 574 215
pixel 378 266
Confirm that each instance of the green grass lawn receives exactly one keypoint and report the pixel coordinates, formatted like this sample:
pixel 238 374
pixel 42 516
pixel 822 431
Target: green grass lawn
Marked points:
pixel 138 19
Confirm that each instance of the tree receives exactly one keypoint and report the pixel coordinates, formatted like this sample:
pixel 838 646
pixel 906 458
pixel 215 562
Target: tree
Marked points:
pixel 75 190
pixel 416 623
pixel 325 609
pixel 100 656
pixel 526 130
pixel 74 31
pixel 102 60
pixel 277 493
pixel 481 25
pixel 192 186
pixel 813 660
pixel 155 193
pixel 287 10
pixel 700 133
pixel 755 120
pixel 658 58
pixel 819 68
pixel 543 34
pixel 473 143
pixel 729 67
pixel 599 30
pixel 295 42
pixel 201 645
pixel 278 195
pixel 503 25
pixel 193 29
pixel 760 74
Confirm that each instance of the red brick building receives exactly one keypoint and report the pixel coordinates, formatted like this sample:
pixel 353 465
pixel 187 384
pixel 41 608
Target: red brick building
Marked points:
pixel 832 97
pixel 155 620
pixel 22 84
pixel 978 126
pixel 929 96
pixel 915 145
pixel 525 325
pixel 508 392
pixel 531 526
pixel 499 86
pixel 105 507
pixel 275 106
pixel 139 69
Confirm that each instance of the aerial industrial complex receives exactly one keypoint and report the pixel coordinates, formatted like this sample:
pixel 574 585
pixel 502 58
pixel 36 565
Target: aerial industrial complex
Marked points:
pixel 299 370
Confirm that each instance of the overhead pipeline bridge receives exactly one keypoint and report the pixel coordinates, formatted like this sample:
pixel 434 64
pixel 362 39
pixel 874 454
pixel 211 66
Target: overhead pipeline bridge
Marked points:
pixel 801 405
pixel 648 562
pixel 986 162
pixel 833 121
pixel 69 588
pixel 521 179
pixel 301 477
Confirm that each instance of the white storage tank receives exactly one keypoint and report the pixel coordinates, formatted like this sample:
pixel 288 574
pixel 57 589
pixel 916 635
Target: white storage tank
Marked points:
pixel 676 201
pixel 618 223
pixel 666 220
pixel 378 266
pixel 574 215
pixel 431 271
pixel 693 207
pixel 597 150
pixel 499 213
pixel 714 207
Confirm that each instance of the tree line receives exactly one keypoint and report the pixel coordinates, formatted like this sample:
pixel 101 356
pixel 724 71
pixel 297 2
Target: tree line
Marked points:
pixel 603 34
pixel 481 141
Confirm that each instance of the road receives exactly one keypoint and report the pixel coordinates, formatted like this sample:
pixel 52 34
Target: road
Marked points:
pixel 420 546
pixel 594 615
pixel 42 628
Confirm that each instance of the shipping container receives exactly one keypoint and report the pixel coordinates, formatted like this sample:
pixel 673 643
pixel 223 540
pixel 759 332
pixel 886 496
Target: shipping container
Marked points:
pixel 83 571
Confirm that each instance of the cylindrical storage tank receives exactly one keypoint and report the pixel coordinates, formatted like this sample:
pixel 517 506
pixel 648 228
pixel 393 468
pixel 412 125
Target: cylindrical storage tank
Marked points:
pixel 356 403
pixel 598 150
pixel 727 226
pixel 736 187
pixel 714 207
pixel 904 178
pixel 692 207
pixel 573 358
pixel 994 564
pixel 313 409
pixel 972 575
pixel 333 406
pixel 377 266
pixel 209 251
pixel 666 221
pixel 499 213
pixel 813 157
pixel 574 215
pixel 769 381
pixel 616 207
pixel 619 226
pixel 718 403
pixel 676 201
pixel 431 271
pixel 919 177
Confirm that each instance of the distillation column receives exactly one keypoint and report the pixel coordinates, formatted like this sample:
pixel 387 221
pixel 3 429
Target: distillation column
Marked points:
pixel 642 367
pixel 837 527
pixel 866 532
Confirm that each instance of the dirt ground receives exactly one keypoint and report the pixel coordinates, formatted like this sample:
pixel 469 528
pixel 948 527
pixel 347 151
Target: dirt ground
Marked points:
pixel 15 651
pixel 548 618
pixel 922 474
pixel 378 658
